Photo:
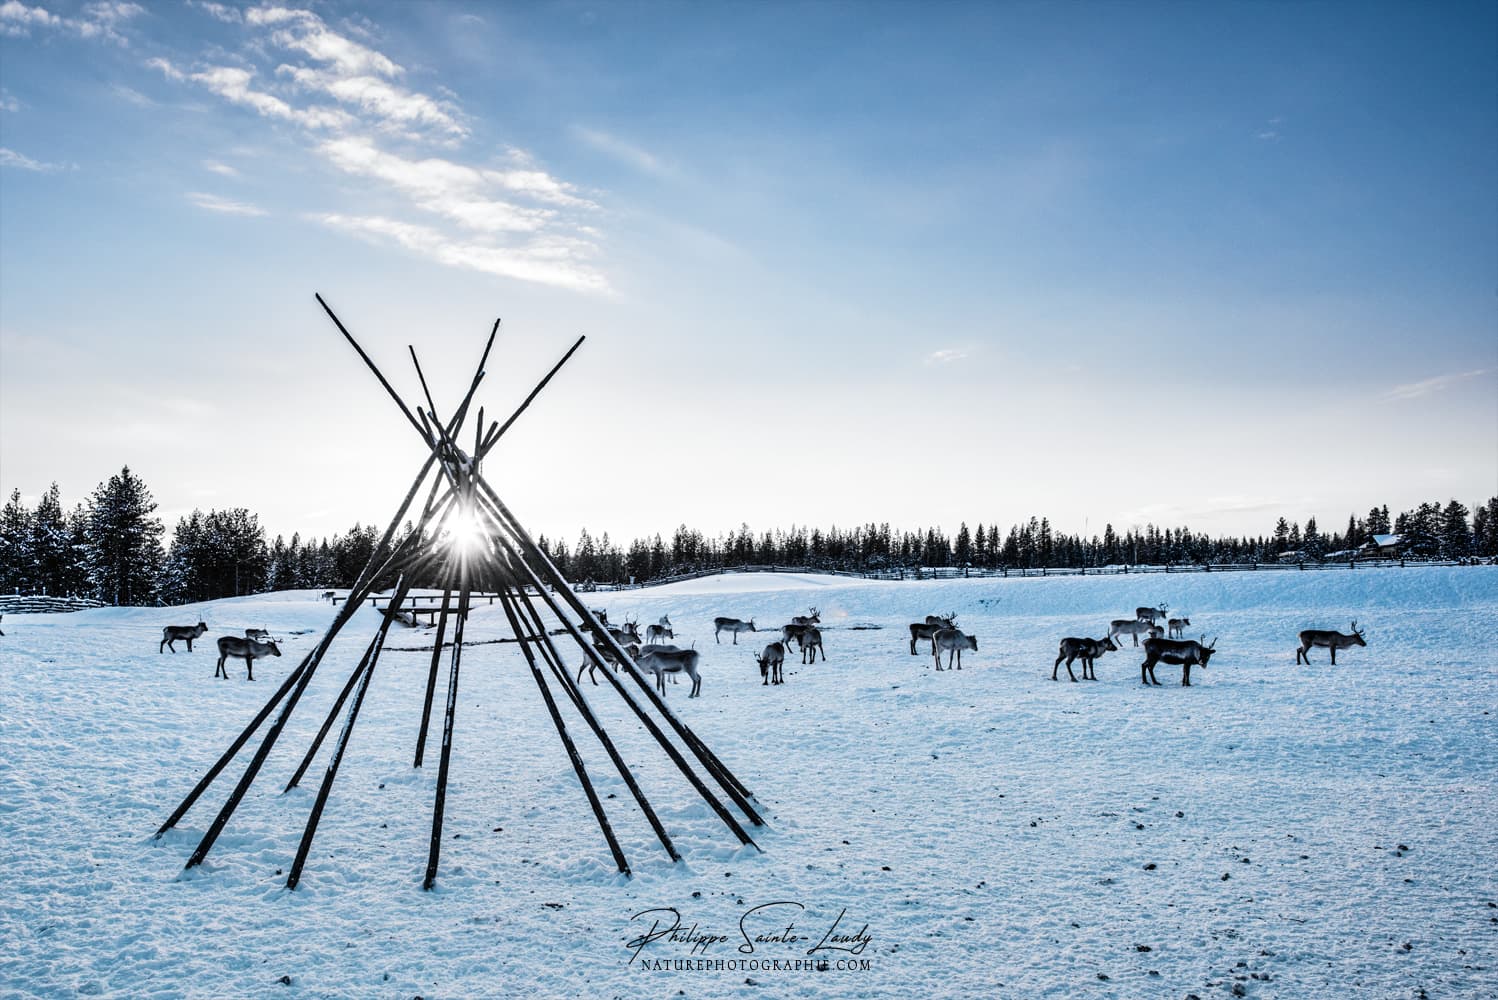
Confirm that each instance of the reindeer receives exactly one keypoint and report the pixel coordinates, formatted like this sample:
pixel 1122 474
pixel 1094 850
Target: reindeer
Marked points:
pixel 1087 650
pixel 953 641
pixel 242 649
pixel 811 642
pixel 655 633
pixel 1312 638
pixel 943 621
pixel 1127 626
pixel 1178 627
pixel 601 614
pixel 796 633
pixel 1185 653
pixel 770 662
pixel 1149 614
pixel 664 620
pixel 926 630
pixel 188 633
pixel 607 653
pixel 1156 632
pixel 256 633
pixel 672 661
pixel 815 618
pixel 328 595
pixel 629 632
pixel 732 625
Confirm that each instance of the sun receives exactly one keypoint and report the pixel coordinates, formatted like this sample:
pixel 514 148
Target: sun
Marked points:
pixel 465 532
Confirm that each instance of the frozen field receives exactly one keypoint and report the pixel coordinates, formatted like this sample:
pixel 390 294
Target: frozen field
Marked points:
pixel 1273 830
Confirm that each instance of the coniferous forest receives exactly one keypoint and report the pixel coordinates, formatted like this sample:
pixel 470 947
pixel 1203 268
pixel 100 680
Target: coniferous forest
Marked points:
pixel 112 547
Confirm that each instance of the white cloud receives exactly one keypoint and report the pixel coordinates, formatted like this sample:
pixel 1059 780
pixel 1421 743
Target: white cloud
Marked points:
pixel 19 161
pixel 98 20
pixel 214 203
pixel 217 11
pixel 945 356
pixel 222 169
pixel 233 85
pixel 166 69
pixel 393 106
pixel 16 18
pixel 9 103
pixel 1425 387
pixel 550 262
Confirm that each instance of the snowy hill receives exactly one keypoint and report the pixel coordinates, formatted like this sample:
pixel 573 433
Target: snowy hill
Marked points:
pixel 1292 831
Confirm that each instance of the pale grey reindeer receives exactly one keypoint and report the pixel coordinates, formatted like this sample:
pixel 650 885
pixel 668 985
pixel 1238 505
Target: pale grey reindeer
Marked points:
pixel 1313 638
pixel 733 626
pixel 242 649
pixel 1128 626
pixel 629 632
pixel 607 653
pixel 655 633
pixel 1178 627
pixel 1150 614
pixel 770 663
pixel 952 641
pixel 672 661
pixel 186 633
pixel 1087 650
pixel 257 633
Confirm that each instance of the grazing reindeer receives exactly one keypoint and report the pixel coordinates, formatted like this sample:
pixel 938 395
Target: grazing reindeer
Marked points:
pixel 1149 614
pixel 1312 638
pixel 672 661
pixel 242 649
pixel 655 633
pixel 1178 627
pixel 952 641
pixel 732 625
pixel 591 665
pixel 1126 626
pixel 1087 650
pixel 811 642
pixel 1185 653
pixel 770 662
pixel 815 618
pixel 1156 632
pixel 188 633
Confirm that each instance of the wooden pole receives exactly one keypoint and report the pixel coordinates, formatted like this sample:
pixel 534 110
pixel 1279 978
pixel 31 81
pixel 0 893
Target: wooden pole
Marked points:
pixel 426 706
pixel 434 850
pixel 326 787
pixel 554 660
pixel 507 602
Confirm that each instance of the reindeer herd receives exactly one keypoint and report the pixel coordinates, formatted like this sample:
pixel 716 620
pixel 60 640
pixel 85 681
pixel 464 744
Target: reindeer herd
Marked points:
pixel 652 654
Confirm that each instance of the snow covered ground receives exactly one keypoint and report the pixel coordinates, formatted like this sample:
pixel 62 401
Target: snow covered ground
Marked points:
pixel 1279 830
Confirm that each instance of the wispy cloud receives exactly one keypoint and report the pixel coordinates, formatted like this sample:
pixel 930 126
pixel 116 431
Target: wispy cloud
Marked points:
pixel 214 203
pixel 625 152
pixel 507 218
pixel 8 102
pixel 19 161
pixel 102 19
pixel 218 11
pixel 552 262
pixel 1425 387
pixel 945 356
pixel 222 169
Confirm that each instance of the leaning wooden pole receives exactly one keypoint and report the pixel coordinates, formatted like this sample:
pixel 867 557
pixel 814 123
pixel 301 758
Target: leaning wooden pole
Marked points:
pixel 553 658
pixel 561 727
pixel 426 705
pixel 439 805
pixel 326 787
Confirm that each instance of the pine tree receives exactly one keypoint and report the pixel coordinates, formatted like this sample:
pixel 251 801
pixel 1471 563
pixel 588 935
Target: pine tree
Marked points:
pixel 1456 534
pixel 1312 544
pixel 124 541
pixel 17 564
pixel 51 544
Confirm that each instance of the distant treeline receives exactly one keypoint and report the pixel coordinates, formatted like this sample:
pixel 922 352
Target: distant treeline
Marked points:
pixel 111 547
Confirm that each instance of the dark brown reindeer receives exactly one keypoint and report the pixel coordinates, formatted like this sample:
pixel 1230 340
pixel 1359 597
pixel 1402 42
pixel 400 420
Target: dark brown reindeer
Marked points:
pixel 770 663
pixel 815 618
pixel 1313 638
pixel 1185 653
pixel 811 642
pixel 926 630
pixel 187 633
pixel 1086 650
pixel 242 649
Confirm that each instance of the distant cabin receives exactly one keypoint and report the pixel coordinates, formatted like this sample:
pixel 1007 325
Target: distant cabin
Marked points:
pixel 1383 547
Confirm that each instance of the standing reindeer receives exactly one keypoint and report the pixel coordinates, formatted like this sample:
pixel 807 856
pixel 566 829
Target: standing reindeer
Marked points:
pixel 242 649
pixel 952 641
pixel 1150 614
pixel 733 626
pixel 1087 650
pixel 607 653
pixel 655 633
pixel 1313 638
pixel 815 618
pixel 672 661
pixel 1178 627
pixel 770 662
pixel 187 633
pixel 1185 653
pixel 1128 626
pixel 811 642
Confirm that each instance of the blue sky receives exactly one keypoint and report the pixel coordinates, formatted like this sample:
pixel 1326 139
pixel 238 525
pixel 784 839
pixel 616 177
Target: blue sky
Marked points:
pixel 1201 264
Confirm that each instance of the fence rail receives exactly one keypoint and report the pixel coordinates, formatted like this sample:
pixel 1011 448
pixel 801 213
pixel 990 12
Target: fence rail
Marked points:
pixel 18 604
